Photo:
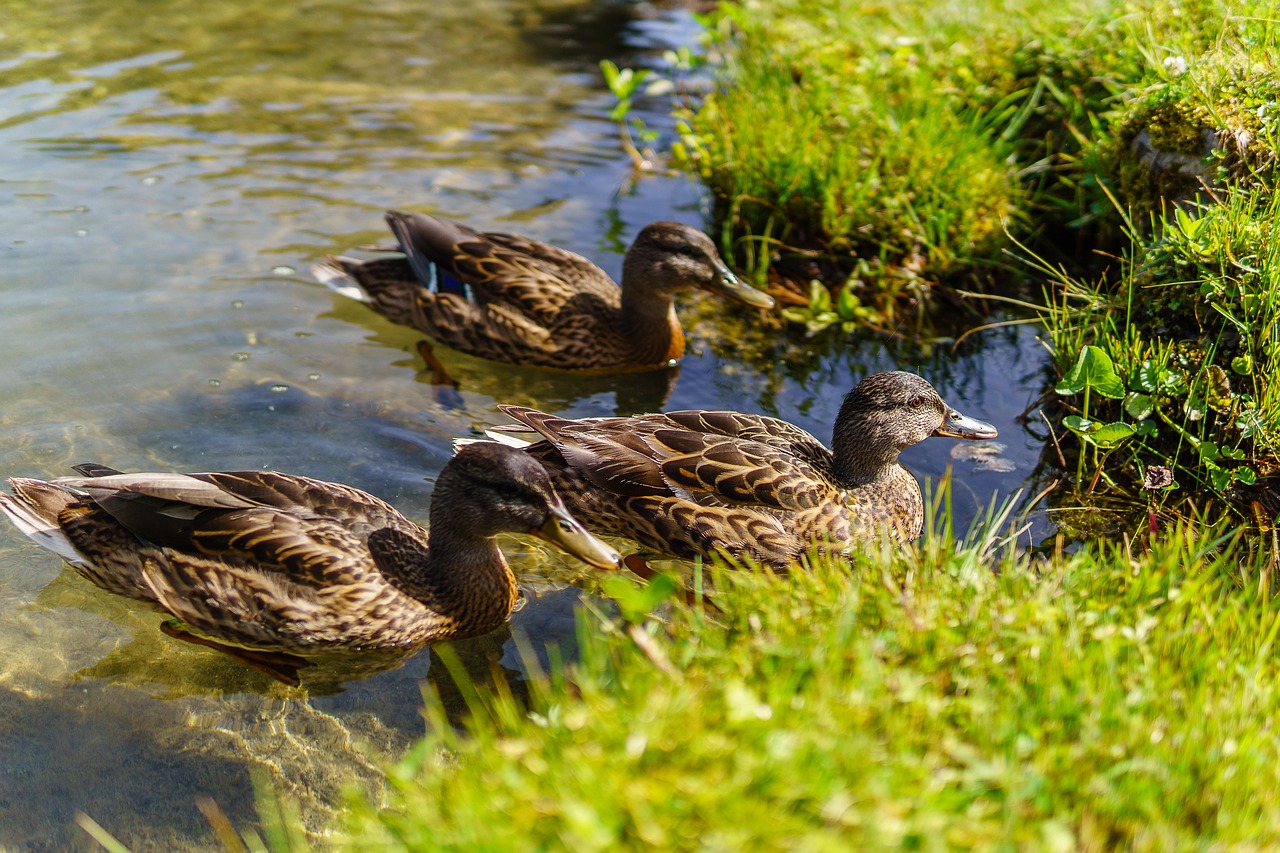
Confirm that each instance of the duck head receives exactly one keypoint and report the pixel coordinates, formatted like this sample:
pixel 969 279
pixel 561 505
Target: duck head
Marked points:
pixel 885 414
pixel 489 488
pixel 668 257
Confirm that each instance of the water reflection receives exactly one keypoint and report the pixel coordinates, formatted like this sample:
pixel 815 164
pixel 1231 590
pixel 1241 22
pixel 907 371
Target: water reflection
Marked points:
pixel 82 730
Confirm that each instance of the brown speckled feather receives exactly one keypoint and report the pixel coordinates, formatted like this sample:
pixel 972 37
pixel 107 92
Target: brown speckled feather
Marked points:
pixel 290 571
pixel 509 298
pixel 540 280
pixel 657 480
pixel 286 563
pixel 694 483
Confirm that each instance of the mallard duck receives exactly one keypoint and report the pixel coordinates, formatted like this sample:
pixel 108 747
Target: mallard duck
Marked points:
pixel 694 483
pixel 269 562
pixel 509 298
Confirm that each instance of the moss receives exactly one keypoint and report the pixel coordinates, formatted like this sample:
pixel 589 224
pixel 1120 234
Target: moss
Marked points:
pixel 1211 124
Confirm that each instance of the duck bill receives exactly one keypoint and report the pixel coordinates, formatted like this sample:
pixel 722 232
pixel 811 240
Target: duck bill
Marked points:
pixel 956 425
pixel 565 532
pixel 728 284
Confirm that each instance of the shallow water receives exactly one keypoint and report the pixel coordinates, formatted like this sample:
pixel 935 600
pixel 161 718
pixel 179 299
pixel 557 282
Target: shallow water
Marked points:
pixel 168 172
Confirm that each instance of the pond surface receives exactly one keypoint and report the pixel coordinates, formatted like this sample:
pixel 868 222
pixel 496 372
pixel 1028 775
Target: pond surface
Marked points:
pixel 169 171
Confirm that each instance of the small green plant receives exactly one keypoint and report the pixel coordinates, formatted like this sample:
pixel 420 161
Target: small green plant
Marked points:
pixel 1094 373
pixel 1153 391
pixel 823 312
pixel 625 84
pixel 637 601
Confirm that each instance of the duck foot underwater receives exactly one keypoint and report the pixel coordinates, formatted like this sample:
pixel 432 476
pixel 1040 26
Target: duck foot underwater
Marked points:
pixel 439 376
pixel 444 388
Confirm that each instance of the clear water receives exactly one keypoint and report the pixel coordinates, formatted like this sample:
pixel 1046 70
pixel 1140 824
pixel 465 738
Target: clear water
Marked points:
pixel 168 171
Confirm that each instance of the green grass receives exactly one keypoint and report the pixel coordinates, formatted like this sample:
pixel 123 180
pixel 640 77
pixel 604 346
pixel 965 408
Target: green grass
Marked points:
pixel 809 166
pixel 1189 318
pixel 886 148
pixel 898 145
pixel 1101 699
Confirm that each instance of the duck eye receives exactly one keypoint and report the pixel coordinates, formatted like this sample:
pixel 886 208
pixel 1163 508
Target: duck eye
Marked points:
pixel 510 493
pixel 917 402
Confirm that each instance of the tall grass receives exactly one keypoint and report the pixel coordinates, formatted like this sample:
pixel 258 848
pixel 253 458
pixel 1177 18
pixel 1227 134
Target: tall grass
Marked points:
pixel 923 137
pixel 879 174
pixel 1100 699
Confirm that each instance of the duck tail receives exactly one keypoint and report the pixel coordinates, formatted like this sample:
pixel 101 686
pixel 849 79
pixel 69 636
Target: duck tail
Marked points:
pixel 533 422
pixel 334 273
pixel 428 243
pixel 34 508
pixel 500 435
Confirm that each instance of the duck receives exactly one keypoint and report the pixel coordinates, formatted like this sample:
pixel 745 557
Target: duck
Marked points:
pixel 509 298
pixel 698 484
pixel 271 567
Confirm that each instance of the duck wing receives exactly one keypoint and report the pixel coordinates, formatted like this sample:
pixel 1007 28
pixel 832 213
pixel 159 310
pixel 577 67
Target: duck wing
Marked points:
pixel 735 471
pixel 536 278
pixel 707 458
pixel 261 523
pixel 774 432
pixel 693 484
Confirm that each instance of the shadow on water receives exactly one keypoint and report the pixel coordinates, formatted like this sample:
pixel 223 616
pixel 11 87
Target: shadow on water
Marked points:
pixel 579 35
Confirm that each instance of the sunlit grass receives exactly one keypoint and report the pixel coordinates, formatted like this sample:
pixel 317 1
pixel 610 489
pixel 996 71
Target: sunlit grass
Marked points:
pixel 908 144
pixel 958 696
pixel 885 175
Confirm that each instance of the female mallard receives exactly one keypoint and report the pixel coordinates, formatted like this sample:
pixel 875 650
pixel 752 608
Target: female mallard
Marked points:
pixel 282 563
pixel 509 298
pixel 696 483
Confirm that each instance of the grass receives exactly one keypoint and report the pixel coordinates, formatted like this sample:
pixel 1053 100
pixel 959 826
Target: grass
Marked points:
pixel 1095 700
pixel 778 168
pixel 898 146
pixel 821 155
pixel 1189 318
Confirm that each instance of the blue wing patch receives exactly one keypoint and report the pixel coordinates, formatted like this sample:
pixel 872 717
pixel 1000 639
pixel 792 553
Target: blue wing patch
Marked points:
pixel 447 282
pixel 437 279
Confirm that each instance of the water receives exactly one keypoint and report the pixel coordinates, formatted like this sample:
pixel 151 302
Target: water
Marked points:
pixel 168 172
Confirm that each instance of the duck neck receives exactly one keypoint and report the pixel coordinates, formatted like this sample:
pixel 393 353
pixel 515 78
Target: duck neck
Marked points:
pixel 461 575
pixel 459 559
pixel 860 456
pixel 649 324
